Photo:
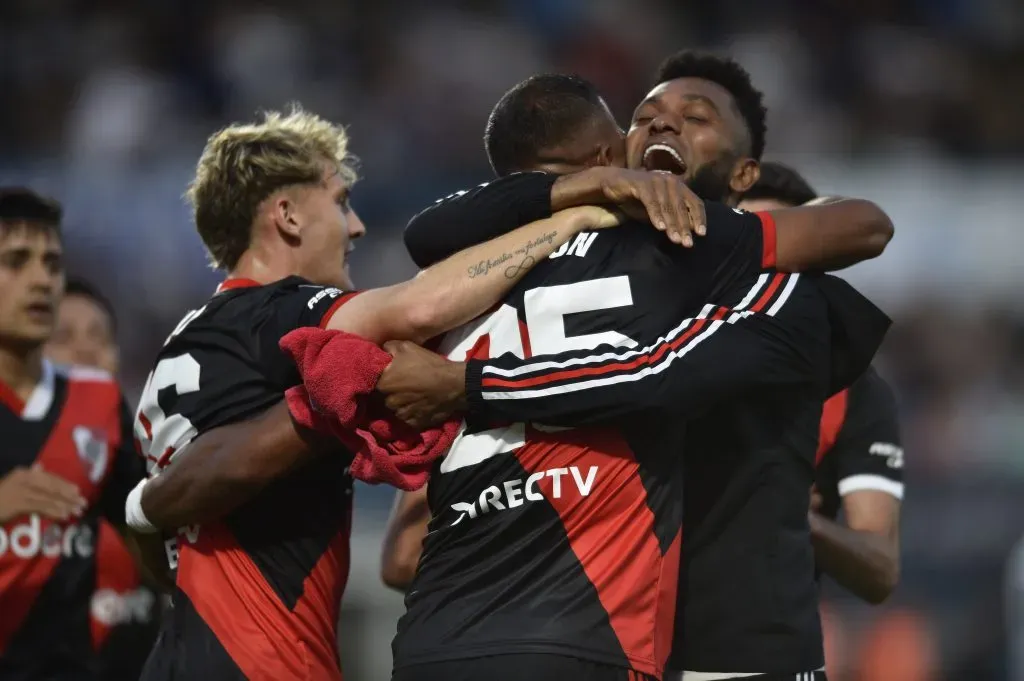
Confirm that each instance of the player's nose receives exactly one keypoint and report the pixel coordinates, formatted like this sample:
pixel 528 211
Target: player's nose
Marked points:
pixel 356 228
pixel 665 123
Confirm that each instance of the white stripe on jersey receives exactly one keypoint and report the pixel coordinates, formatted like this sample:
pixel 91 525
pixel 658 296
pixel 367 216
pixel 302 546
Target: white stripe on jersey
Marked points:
pixel 870 482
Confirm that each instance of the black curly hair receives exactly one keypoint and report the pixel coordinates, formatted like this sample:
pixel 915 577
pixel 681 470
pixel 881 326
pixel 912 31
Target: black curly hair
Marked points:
pixel 731 76
pixel 781 183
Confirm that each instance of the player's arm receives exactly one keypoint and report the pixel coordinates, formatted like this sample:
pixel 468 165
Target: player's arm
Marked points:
pixel 225 467
pixel 465 285
pixel 828 236
pixel 778 338
pixel 403 539
pixel 863 554
pixel 831 235
pixel 495 208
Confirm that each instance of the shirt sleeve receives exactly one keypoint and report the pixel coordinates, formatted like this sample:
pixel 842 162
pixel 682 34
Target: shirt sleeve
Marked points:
pixel 780 338
pixel 737 247
pixel 473 216
pixel 868 450
pixel 127 469
pixel 293 306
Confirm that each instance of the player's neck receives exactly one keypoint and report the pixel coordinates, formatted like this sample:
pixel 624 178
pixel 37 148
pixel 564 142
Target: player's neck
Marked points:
pixel 263 267
pixel 21 370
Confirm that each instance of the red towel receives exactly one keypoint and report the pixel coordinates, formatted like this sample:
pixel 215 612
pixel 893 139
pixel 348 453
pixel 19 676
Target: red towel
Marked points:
pixel 340 372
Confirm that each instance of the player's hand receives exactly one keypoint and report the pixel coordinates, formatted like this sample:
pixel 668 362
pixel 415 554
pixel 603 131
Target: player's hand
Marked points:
pixel 589 218
pixel 660 197
pixel 422 388
pixel 24 491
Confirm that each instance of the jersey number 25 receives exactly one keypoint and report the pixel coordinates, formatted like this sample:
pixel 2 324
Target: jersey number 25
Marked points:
pixel 545 309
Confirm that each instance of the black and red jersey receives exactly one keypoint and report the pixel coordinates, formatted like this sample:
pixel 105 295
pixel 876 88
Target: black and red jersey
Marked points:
pixel 547 540
pixel 125 611
pixel 258 592
pixel 742 357
pixel 859 447
pixel 75 425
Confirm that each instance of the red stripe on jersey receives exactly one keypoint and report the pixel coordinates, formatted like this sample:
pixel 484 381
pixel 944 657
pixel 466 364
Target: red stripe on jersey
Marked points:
pixel 769 240
pixel 259 633
pixel 321 599
pixel 92 408
pixel 833 415
pixel 660 351
pixel 237 282
pixel 768 293
pixel 10 399
pixel 611 531
pixel 342 299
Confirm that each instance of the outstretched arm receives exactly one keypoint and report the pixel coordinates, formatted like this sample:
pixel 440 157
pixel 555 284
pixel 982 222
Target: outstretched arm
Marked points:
pixel 775 339
pixel 829 235
pixel 465 285
pixel 225 467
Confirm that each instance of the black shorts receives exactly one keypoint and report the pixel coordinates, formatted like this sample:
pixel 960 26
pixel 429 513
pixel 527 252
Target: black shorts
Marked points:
pixel 518 667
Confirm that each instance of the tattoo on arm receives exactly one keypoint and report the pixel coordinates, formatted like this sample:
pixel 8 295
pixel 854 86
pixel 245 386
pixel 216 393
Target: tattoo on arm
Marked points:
pixel 522 253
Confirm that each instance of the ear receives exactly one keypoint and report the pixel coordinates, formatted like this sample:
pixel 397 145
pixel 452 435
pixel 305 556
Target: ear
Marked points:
pixel 605 156
pixel 285 213
pixel 745 175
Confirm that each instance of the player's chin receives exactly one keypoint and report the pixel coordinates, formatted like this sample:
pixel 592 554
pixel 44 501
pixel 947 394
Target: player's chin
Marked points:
pixel 33 332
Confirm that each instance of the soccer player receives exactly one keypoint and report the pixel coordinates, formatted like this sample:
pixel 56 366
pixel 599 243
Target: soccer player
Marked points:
pixel 860 457
pixel 748 559
pixel 68 459
pixel 124 610
pixel 258 592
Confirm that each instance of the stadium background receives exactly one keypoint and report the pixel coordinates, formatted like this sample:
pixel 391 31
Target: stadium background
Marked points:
pixel 917 104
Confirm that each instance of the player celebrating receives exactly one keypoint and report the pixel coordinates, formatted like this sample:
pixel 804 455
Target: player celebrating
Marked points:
pixel 68 459
pixel 745 537
pixel 124 610
pixel 258 593
pixel 860 458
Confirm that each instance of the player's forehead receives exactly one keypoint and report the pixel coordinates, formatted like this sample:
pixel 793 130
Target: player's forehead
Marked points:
pixel 80 309
pixel 34 237
pixel 681 92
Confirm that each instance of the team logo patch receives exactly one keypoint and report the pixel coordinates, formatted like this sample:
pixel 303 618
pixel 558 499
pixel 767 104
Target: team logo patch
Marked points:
pixel 93 451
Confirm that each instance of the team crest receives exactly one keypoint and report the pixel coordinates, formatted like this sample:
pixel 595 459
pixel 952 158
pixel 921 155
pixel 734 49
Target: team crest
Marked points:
pixel 92 450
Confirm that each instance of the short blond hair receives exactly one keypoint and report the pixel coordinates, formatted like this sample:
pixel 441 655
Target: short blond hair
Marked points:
pixel 243 164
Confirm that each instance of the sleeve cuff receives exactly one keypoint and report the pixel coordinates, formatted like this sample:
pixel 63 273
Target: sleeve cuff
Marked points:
pixel 868 482
pixel 537 206
pixel 768 240
pixel 335 306
pixel 474 389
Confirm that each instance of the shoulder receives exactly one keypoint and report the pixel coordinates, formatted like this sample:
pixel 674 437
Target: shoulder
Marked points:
pixel 871 389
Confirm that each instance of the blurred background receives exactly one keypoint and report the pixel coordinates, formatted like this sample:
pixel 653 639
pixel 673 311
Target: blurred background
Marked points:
pixel 916 104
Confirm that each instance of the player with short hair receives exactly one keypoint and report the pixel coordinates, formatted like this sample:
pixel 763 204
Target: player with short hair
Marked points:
pixel 86 329
pixel 125 610
pixel 68 460
pixel 703 121
pixel 258 591
pixel 860 455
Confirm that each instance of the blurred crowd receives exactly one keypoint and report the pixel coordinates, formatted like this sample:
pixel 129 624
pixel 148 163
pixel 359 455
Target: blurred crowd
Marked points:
pixel 107 104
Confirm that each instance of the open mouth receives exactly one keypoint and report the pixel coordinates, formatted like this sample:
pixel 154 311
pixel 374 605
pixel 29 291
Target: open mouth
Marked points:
pixel 40 310
pixel 663 158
